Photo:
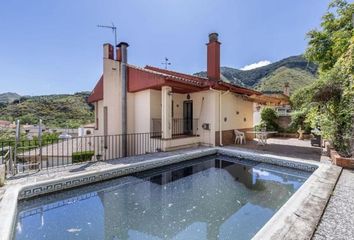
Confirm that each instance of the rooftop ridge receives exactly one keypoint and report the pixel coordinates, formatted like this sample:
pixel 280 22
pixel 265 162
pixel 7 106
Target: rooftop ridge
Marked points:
pixel 175 72
pixel 191 81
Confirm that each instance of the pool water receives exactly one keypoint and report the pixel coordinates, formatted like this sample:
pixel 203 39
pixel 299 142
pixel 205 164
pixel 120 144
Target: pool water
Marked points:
pixel 215 197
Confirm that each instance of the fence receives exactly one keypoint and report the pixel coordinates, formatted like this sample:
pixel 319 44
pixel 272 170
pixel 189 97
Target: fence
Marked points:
pixel 180 126
pixel 30 155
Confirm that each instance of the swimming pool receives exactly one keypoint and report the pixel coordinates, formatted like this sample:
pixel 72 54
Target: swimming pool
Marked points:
pixel 214 197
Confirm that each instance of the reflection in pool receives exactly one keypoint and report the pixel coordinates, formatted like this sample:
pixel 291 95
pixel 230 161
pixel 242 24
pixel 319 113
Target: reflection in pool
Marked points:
pixel 209 198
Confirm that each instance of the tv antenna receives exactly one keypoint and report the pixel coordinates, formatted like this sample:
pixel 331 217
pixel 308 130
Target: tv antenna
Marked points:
pixel 114 30
pixel 166 62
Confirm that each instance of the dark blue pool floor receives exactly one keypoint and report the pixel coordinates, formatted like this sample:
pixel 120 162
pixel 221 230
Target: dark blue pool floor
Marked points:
pixel 210 198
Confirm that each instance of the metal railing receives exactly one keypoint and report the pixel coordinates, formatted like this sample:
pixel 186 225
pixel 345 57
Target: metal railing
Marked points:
pixel 4 154
pixel 180 126
pixel 33 155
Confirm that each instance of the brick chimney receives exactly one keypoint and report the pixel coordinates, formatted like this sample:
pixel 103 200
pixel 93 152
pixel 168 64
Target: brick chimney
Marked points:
pixel 213 68
pixel 108 51
pixel 286 89
pixel 118 54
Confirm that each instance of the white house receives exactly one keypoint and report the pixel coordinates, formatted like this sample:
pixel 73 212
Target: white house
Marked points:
pixel 187 110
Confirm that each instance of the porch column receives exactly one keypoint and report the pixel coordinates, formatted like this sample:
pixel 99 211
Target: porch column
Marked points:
pixel 166 113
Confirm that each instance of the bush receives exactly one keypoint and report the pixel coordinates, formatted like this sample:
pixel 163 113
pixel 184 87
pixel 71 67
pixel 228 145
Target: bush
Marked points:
pixel 269 117
pixel 260 127
pixel 82 156
pixel 299 121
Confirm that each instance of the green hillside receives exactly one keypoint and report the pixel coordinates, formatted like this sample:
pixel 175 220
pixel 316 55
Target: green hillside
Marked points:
pixel 63 110
pixel 296 70
pixel 297 78
pixel 8 97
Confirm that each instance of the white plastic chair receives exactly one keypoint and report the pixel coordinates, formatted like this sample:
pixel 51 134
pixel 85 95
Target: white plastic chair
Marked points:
pixel 239 137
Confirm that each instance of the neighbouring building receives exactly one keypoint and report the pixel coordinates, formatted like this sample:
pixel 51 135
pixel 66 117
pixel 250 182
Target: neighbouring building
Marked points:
pixel 5 124
pixel 279 101
pixel 86 130
pixel 185 109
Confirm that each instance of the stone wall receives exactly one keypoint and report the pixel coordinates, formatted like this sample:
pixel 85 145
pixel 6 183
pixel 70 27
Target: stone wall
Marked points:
pixel 284 121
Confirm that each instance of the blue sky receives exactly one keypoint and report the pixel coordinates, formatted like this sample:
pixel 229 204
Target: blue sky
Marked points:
pixel 49 47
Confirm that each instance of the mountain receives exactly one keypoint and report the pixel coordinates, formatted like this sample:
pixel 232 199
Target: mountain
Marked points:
pixel 275 81
pixel 296 70
pixel 63 110
pixel 8 97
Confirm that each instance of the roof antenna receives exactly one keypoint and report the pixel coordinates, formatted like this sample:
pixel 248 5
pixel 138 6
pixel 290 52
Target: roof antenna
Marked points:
pixel 166 63
pixel 114 30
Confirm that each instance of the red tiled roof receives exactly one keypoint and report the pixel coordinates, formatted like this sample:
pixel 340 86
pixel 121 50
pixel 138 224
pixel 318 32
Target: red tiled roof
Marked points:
pixel 236 89
pixel 3 122
pixel 97 93
pixel 206 82
pixel 201 80
pixel 189 79
pixel 145 78
pixel 153 78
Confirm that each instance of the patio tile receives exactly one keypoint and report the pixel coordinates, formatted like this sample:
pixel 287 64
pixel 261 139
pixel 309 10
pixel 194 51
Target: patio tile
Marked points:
pixel 337 222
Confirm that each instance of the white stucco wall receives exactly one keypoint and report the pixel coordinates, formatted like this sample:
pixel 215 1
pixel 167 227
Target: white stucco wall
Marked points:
pixel 112 100
pixel 155 103
pixel 142 110
pixel 99 116
pixel 112 93
pixel 203 110
pixel 231 104
pixel 256 115
pixel 131 111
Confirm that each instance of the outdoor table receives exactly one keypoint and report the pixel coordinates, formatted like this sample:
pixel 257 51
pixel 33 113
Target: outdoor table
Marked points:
pixel 262 136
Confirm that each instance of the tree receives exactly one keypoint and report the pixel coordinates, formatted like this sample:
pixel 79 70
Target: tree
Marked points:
pixel 327 45
pixel 334 96
pixel 329 102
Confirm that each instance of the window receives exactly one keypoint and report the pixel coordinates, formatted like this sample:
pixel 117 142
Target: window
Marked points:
pixel 96 116
pixel 105 125
pixel 172 109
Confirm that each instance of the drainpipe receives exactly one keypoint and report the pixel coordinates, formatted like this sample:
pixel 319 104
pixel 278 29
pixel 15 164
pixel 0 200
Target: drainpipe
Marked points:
pixel 124 59
pixel 220 112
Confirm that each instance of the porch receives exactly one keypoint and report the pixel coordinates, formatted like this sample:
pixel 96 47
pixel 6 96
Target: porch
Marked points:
pixel 175 114
pixel 181 127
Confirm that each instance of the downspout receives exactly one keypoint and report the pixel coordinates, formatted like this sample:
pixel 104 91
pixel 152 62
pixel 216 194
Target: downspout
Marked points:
pixel 220 112
pixel 124 59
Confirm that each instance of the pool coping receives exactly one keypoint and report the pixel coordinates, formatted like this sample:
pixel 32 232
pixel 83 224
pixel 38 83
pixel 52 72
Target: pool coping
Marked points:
pixel 300 215
pixel 297 218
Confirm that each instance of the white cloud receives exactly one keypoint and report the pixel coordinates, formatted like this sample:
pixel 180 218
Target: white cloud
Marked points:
pixel 256 65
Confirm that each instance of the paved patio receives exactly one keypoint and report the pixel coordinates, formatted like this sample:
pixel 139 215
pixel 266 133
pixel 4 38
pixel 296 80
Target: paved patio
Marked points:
pixel 338 219
pixel 287 147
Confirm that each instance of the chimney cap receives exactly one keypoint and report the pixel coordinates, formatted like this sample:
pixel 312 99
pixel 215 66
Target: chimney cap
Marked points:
pixel 213 37
pixel 123 44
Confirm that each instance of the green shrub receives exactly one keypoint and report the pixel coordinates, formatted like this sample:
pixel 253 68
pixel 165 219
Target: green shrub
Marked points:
pixel 82 156
pixel 299 121
pixel 269 118
pixel 260 127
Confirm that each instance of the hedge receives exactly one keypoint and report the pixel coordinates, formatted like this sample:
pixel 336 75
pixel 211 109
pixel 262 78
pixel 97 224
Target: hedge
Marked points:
pixel 82 156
